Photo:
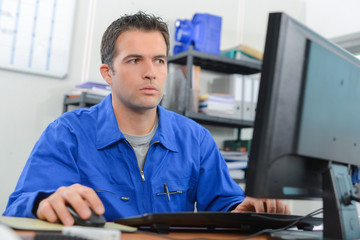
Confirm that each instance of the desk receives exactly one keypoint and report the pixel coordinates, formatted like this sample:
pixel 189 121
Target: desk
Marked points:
pixel 29 235
pixel 45 227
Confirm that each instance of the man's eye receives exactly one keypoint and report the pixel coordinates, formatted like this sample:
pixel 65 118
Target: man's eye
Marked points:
pixel 160 61
pixel 133 61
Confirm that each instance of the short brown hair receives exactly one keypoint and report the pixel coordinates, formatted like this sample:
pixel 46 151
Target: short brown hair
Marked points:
pixel 139 21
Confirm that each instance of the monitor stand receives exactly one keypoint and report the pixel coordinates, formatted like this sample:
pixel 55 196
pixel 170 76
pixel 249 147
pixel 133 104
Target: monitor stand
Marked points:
pixel 341 219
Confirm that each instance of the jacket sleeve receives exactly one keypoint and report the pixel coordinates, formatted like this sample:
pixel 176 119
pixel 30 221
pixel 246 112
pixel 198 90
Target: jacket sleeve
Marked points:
pixel 216 191
pixel 51 164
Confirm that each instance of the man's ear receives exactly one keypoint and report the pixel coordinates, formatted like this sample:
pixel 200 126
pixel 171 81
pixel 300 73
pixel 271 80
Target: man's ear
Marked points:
pixel 105 71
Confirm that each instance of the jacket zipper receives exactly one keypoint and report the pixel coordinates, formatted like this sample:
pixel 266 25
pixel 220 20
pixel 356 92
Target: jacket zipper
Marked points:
pixel 141 171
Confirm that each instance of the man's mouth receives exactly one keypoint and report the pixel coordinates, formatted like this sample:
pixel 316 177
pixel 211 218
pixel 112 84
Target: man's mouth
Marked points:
pixel 149 90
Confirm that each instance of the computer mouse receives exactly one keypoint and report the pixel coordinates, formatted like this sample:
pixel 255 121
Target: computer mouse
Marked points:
pixel 94 220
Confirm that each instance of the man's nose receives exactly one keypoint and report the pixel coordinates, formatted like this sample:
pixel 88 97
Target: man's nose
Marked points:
pixel 149 70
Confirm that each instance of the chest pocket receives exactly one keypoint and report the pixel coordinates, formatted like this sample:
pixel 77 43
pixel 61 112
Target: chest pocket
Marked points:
pixel 173 195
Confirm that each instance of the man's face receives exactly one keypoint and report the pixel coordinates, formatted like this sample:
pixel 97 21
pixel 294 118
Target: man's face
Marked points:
pixel 139 70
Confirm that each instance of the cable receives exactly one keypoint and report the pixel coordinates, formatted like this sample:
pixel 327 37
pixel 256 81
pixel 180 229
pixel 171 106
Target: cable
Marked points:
pixel 314 213
pixel 347 198
pixel 294 221
pixel 299 218
pixel 352 197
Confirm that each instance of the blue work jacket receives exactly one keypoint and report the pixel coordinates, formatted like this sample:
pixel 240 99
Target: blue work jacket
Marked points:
pixel 85 146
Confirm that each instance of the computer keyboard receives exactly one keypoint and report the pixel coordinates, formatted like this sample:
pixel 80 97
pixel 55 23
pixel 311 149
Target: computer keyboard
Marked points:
pixel 247 222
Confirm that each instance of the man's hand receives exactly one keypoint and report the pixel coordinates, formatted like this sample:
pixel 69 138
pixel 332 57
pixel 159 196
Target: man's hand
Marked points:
pixel 262 205
pixel 53 208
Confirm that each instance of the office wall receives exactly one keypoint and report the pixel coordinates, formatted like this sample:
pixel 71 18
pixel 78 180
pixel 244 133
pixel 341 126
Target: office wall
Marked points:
pixel 333 18
pixel 29 102
pixel 330 18
pixel 256 18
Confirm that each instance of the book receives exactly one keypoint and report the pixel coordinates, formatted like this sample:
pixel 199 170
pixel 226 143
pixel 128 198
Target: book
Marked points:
pixel 234 156
pixel 220 97
pixel 217 104
pixel 237 174
pixel 236 162
pixel 242 51
pixel 89 85
pixel 92 88
pixel 234 165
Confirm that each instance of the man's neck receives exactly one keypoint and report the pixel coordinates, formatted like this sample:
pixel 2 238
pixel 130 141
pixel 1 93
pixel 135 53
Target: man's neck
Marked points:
pixel 135 122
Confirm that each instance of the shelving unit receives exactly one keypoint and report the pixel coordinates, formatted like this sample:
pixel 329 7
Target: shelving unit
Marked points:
pixel 219 64
pixel 215 63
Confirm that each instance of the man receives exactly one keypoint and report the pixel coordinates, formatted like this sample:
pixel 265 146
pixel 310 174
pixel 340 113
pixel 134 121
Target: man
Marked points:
pixel 127 155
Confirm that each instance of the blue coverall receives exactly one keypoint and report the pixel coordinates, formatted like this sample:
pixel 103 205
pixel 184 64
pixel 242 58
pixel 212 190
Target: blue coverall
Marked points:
pixel 85 146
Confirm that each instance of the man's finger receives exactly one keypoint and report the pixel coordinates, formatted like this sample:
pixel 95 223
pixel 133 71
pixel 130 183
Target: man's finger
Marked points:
pixel 270 205
pixel 80 198
pixel 73 196
pixel 280 206
pixel 92 199
pixel 259 205
pixel 287 209
pixel 58 205
pixel 46 212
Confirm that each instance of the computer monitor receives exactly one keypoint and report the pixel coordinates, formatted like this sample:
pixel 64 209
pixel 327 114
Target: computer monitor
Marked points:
pixel 307 126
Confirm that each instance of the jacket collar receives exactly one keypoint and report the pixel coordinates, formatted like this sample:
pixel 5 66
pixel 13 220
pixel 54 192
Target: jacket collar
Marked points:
pixel 165 132
pixel 107 131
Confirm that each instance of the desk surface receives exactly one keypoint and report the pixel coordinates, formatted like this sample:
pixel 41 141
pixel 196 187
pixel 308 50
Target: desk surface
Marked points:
pixel 28 235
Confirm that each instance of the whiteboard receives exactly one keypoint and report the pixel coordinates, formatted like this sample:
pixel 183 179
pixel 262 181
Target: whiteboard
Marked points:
pixel 35 36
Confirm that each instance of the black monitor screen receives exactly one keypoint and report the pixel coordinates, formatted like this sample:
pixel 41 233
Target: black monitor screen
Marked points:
pixel 307 120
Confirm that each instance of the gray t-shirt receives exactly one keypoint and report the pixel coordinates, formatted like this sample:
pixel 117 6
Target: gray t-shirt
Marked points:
pixel 140 144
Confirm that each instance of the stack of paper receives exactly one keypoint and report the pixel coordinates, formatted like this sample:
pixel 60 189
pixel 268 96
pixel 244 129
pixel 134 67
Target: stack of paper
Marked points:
pixel 217 104
pixel 32 224
pixel 92 88
pixel 236 162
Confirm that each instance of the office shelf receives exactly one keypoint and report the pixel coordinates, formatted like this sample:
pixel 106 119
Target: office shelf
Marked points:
pixel 84 100
pixel 218 64
pixel 218 121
